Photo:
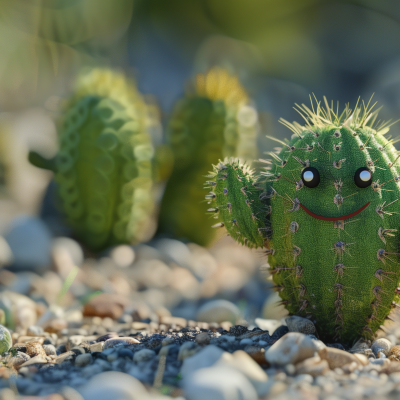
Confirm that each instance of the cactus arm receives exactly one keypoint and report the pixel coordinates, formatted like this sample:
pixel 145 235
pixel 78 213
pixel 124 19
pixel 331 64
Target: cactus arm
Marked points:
pixel 40 162
pixel 239 203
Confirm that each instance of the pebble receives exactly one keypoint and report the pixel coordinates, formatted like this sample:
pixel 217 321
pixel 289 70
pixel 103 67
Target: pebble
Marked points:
pixel 291 349
pixel 268 324
pixel 206 357
pixel 218 311
pixel 18 360
pixel 245 342
pixel 6 256
pixel 34 361
pixel 83 359
pixel 243 363
pixel 121 341
pixel 34 349
pixel 381 345
pixel 144 355
pixel 123 255
pixel 218 383
pixel 337 358
pixel 96 347
pixel 49 349
pixel 313 366
pixel 394 354
pixel 187 349
pixel 299 324
pixel 35 237
pixel 203 339
pixel 114 385
pixel 257 354
pixel 106 305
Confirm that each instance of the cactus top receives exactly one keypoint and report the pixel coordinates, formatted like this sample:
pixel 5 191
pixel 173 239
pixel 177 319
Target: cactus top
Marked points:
pixel 332 194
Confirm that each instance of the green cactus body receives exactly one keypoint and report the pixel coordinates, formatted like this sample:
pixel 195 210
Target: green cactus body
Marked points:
pixel 104 165
pixel 215 122
pixel 333 248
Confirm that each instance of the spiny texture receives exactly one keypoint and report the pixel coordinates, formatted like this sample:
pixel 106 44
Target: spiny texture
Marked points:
pixel 104 165
pixel 334 250
pixel 214 122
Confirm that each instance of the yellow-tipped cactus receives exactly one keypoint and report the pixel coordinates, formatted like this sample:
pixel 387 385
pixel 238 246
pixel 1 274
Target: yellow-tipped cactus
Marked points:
pixel 104 166
pixel 215 121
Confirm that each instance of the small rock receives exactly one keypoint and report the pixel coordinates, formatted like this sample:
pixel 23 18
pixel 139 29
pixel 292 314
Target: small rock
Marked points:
pixel 218 311
pixel 218 383
pixel 167 341
pixel 380 361
pixel 238 330
pixel 38 360
pixel 34 349
pixel 258 355
pixel 177 321
pixel 268 324
pixel 360 347
pixel 187 349
pixel 55 325
pixel 144 355
pixel 394 354
pixel 381 345
pixel 18 360
pixel 299 324
pixel 121 341
pixel 105 305
pixel 203 339
pixel 83 359
pixel 243 363
pixel 71 247
pixel 49 349
pixel 34 330
pixel 30 242
pixel 362 359
pixel 123 255
pixel 313 366
pixel 109 335
pixel 96 347
pixel 337 358
pixel 245 342
pixel 291 349
pixel 202 359
pixel 113 385
pixel 67 357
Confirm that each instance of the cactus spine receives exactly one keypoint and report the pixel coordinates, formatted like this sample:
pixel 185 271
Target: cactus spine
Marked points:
pixel 104 165
pixel 214 122
pixel 330 201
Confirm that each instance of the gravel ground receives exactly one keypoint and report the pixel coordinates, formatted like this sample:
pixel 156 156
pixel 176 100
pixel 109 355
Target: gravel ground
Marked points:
pixel 167 320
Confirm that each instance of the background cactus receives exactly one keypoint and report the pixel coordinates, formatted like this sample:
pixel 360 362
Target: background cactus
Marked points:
pixel 216 121
pixel 104 166
pixel 326 213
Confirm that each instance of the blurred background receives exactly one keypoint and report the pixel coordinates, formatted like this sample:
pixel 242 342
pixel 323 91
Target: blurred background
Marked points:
pixel 281 51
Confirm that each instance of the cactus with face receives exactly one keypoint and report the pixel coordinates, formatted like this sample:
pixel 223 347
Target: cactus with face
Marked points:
pixel 325 209
pixel 215 121
pixel 104 166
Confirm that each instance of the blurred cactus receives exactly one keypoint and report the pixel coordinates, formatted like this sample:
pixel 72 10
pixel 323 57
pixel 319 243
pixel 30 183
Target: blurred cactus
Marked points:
pixel 104 166
pixel 216 121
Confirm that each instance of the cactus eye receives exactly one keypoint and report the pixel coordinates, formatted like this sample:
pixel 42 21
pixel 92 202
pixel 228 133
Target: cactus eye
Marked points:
pixel 310 177
pixel 363 177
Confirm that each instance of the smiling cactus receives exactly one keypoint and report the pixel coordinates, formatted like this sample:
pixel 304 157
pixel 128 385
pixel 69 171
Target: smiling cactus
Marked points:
pixel 325 210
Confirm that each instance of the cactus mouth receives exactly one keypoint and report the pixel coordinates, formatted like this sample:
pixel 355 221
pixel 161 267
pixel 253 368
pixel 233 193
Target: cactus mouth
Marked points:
pixel 334 218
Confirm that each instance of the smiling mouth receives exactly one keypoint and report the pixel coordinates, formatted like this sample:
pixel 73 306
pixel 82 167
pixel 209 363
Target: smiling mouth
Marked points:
pixel 333 218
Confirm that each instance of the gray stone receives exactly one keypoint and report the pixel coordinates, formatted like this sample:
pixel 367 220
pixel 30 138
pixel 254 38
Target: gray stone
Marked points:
pixel 83 359
pixel 187 349
pixel 218 311
pixel 381 345
pixel 243 363
pixel 49 349
pixel 291 349
pixel 113 385
pixel 121 341
pixel 268 324
pixel 30 242
pixel 203 339
pixel 144 355
pixel 337 358
pixel 70 247
pixel 299 324
pixel 218 383
pixel 204 358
